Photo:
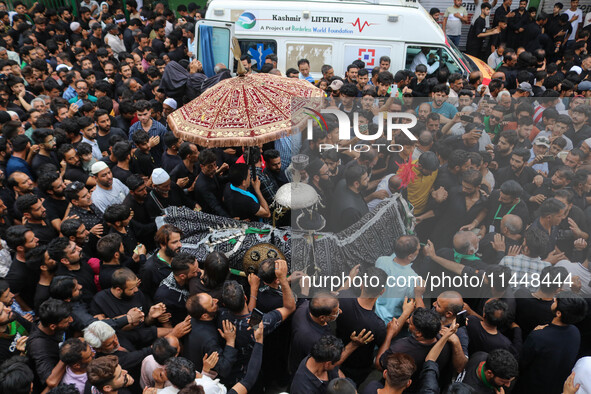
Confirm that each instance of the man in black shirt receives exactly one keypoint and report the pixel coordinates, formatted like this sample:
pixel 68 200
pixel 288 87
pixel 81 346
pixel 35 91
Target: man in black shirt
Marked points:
pixel 204 339
pixel 517 170
pixel 485 335
pixel 478 32
pixel 74 171
pixel 21 277
pixel 170 157
pixel 142 156
pixel 238 313
pixel 274 175
pixel 107 376
pixel 322 362
pixel 184 174
pixel 310 323
pixel 52 187
pixel 157 267
pixel 358 315
pixel 69 257
pixel 487 373
pixel 174 289
pixel 424 326
pixel 348 205
pixel 43 343
pixel 502 202
pixel 105 131
pixel 35 218
pixel 241 203
pixel 45 139
pixel 67 289
pixel 209 186
pixel 123 296
pixel 124 168
pixel 135 200
pixel 549 353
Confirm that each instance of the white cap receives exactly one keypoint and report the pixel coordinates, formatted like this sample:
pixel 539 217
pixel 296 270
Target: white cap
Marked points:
pixel 588 142
pixel 159 176
pixel 74 26
pixel 60 66
pixel 170 102
pixel 98 167
pixel 576 69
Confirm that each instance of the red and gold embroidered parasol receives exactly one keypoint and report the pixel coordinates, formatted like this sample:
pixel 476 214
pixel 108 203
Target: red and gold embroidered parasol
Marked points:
pixel 246 111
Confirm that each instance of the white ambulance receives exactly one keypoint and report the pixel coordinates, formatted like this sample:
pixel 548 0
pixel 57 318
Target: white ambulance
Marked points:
pixel 327 32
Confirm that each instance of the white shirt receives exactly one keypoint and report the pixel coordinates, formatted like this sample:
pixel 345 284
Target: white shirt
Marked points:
pixel 383 185
pixel 494 60
pixel 577 269
pixel 574 24
pixel 103 198
pixel 420 58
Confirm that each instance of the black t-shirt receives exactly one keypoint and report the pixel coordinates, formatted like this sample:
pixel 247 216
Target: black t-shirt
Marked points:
pixel 106 303
pixel 44 350
pixel 39 160
pixel 75 173
pixel 418 351
pixel 240 205
pixel 474 43
pixel 196 286
pixel 23 281
pixel 305 382
pixel 121 173
pixel 105 274
pixel 531 311
pixel 103 140
pixel 481 340
pixel 56 209
pixel 356 318
pixel 144 162
pixel 548 358
pixel 41 295
pixel 183 172
pixel 44 231
pixel 169 162
pixel 304 334
pixel 495 214
pixel 85 277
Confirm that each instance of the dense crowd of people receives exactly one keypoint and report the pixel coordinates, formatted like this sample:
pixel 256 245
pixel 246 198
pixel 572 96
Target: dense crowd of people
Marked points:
pixel 98 296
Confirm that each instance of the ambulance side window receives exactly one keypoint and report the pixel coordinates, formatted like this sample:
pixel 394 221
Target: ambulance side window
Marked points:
pixel 317 55
pixel 446 58
pixel 258 50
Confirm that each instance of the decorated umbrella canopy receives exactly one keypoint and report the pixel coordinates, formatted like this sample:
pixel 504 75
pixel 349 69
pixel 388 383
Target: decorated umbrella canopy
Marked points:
pixel 246 110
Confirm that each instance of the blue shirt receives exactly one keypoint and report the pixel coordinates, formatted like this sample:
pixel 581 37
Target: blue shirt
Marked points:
pixel 16 164
pixel 400 284
pixel 74 99
pixel 70 93
pixel 157 129
pixel 447 110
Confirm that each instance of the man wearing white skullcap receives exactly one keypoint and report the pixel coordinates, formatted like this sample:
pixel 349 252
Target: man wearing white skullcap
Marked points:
pixel 168 106
pixel 108 190
pixel 166 194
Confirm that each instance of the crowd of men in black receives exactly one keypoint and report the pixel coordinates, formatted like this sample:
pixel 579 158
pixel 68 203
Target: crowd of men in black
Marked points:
pixel 96 295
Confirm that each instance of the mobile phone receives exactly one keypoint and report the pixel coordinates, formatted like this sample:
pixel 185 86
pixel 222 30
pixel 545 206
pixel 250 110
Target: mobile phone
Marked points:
pixel 256 316
pixel 79 103
pixel 461 319
pixel 466 118
pixel 547 158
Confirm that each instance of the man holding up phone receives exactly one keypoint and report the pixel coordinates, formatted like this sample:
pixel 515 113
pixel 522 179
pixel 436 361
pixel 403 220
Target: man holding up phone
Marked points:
pixel 237 313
